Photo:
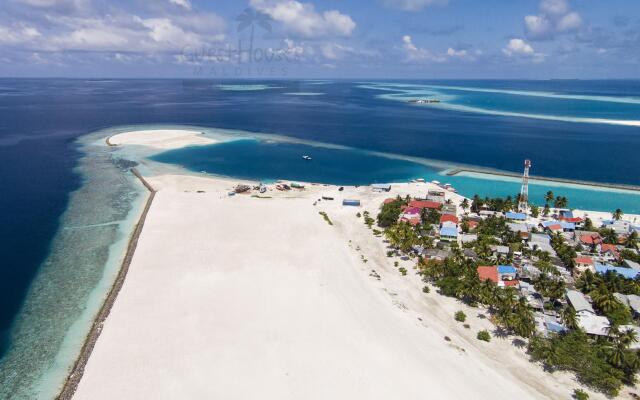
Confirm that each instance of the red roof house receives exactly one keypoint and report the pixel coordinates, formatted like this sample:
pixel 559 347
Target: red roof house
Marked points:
pixel 591 239
pixel 390 200
pixel 488 273
pixel 472 225
pixel 448 218
pixel 425 204
pixel 610 248
pixel 583 260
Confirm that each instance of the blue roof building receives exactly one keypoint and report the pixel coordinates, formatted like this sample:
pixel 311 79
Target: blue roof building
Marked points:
pixel 628 273
pixel 566 213
pixel 568 226
pixel 448 233
pixel 506 270
pixel 516 216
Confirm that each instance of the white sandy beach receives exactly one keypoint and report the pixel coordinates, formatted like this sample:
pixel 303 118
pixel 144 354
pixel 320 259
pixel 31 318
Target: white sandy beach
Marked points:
pixel 243 298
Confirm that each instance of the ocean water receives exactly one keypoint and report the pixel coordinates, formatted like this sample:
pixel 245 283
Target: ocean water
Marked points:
pixel 66 204
pixel 267 160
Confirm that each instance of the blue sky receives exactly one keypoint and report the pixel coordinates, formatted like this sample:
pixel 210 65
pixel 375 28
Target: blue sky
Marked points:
pixel 430 39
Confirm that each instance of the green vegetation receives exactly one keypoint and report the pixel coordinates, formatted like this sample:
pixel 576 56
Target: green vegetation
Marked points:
pixel 425 289
pixel 602 364
pixel 484 335
pixel 368 221
pixel 617 214
pixel 390 212
pixel 460 316
pixel 580 394
pixel 326 217
pixel 403 271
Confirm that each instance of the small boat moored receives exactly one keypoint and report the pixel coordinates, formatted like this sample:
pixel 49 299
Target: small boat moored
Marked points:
pixel 308 158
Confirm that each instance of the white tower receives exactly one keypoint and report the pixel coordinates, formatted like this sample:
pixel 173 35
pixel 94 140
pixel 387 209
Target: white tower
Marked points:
pixel 523 204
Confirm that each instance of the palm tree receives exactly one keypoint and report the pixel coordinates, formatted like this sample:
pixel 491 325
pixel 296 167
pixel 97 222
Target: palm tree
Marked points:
pixel 561 202
pixel 604 299
pixel 569 317
pixel 476 203
pixel 548 197
pixel 617 214
pixel 465 204
pixel 546 210
pixel 632 240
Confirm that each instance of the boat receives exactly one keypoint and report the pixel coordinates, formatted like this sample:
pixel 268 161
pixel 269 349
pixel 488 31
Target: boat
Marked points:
pixel 306 158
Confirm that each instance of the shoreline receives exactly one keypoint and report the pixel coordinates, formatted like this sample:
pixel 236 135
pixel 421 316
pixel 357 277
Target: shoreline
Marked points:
pixel 76 373
pixel 486 171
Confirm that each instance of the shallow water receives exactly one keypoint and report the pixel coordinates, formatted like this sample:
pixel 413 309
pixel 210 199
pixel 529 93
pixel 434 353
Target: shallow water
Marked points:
pixel 267 160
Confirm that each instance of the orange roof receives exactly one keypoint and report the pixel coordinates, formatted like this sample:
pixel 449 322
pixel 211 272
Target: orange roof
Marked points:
pixel 583 260
pixel 555 227
pixel 591 239
pixel 425 204
pixel 472 224
pixel 488 273
pixel 387 201
pixel 449 218
pixel 514 282
pixel 610 247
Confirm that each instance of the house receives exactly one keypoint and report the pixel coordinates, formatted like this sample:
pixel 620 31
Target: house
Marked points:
pixel 472 225
pixel 552 226
pixel 619 227
pixel 627 273
pixel 448 218
pixel 389 200
pixel 449 234
pixel 592 240
pixel 500 250
pixel 579 302
pixel 412 220
pixel 610 251
pixel 586 317
pixel 467 237
pixel 514 216
pixel 518 227
pixel 576 221
pixel 436 196
pixel 583 263
pixel 470 253
pixel 564 214
pixel 631 264
pixel 506 272
pixel 432 205
pixel 435 254
pixel 449 209
pixel 594 324
pixel 487 213
pixel 381 187
pixel 488 273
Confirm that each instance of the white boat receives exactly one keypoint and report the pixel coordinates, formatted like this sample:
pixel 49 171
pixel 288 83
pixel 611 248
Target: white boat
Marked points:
pixel 307 158
pixel 436 182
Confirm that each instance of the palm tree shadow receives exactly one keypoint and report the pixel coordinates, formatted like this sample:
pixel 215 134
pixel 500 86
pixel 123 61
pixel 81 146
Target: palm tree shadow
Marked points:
pixel 501 333
pixel 519 343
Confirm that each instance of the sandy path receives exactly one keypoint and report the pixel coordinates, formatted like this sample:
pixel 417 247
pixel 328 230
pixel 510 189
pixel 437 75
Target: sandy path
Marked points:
pixel 244 298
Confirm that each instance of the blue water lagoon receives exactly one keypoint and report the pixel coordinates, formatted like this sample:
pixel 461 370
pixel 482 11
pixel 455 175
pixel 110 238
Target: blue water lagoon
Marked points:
pixel 268 160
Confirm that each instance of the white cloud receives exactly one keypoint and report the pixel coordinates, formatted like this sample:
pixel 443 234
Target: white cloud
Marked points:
pixel 186 4
pixel 554 7
pixel 451 52
pixel 413 5
pixel 569 22
pixel 18 34
pixel 303 19
pixel 555 17
pixel 520 49
pixel 415 53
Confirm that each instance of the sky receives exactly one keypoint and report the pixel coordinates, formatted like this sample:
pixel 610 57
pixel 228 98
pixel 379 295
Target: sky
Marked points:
pixel 280 39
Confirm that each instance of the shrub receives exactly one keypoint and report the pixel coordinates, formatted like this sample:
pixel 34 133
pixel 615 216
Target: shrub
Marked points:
pixel 326 217
pixel 467 326
pixel 403 270
pixel 425 289
pixel 358 215
pixel 580 394
pixel 484 335
pixel 460 316
pixel 396 264
pixel 390 253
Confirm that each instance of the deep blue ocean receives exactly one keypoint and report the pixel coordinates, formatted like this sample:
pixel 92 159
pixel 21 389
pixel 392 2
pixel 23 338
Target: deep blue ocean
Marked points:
pixel 570 129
